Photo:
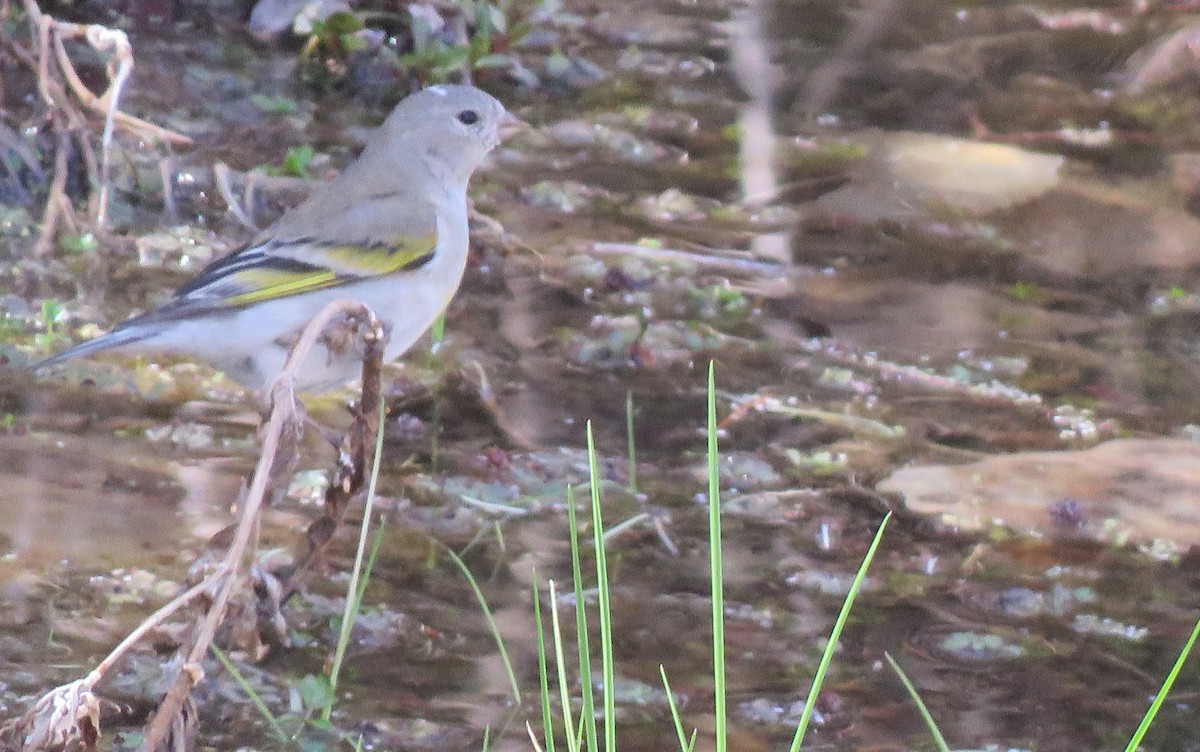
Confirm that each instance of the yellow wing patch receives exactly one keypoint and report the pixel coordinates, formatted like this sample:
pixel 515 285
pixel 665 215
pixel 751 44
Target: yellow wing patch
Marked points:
pixel 268 284
pixel 281 275
pixel 405 253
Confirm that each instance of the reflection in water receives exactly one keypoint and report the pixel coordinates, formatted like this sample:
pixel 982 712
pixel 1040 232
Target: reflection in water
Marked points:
pixel 751 67
pixel 89 501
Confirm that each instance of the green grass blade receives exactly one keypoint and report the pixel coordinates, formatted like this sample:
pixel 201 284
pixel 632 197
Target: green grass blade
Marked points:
pixel 716 568
pixel 437 333
pixel 835 635
pixel 630 445
pixel 257 700
pixel 491 620
pixel 563 691
pixel 683 741
pixel 581 632
pixel 606 649
pixel 1161 697
pixel 369 567
pixel 487 738
pixel 353 594
pixel 543 675
pixel 934 731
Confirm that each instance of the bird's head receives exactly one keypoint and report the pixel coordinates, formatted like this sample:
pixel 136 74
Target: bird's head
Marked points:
pixel 451 126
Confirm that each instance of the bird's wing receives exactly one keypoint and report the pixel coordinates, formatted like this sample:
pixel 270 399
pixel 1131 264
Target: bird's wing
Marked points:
pixel 397 238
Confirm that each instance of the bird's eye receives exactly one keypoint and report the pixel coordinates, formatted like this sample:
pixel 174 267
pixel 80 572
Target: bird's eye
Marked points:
pixel 468 117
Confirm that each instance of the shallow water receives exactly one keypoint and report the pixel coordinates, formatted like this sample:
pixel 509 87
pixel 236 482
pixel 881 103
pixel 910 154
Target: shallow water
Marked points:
pixel 916 299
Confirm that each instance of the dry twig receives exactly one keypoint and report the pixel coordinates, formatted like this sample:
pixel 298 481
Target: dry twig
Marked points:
pixel 284 416
pixel 731 262
pixel 70 714
pixel 57 203
pixel 63 92
pixel 221 177
pixel 350 475
pixel 103 39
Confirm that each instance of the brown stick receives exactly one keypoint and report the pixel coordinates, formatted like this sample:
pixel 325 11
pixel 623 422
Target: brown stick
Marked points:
pixel 58 193
pixel 221 173
pixel 59 713
pixel 354 458
pixel 283 414
pixel 191 673
pixel 52 66
pixel 101 37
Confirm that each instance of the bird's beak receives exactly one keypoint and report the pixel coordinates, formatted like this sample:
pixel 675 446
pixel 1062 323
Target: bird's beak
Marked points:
pixel 511 125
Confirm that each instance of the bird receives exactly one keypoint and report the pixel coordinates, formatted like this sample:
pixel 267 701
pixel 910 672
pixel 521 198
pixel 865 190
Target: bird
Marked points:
pixel 390 232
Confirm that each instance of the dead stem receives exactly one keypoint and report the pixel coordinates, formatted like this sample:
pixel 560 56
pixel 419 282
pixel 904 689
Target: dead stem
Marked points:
pixel 70 713
pixel 221 173
pixel 151 622
pixel 59 714
pixel 119 79
pixel 62 91
pixel 741 263
pixel 284 416
pixel 104 39
pixel 354 458
pixel 166 172
pixel 54 201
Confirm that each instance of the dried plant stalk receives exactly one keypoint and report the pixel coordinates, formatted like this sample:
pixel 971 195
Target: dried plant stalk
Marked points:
pixel 284 416
pixel 69 715
pixel 64 93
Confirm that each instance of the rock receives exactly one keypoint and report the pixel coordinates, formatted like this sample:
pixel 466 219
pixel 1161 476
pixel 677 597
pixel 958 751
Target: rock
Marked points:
pixel 1165 60
pixel 908 175
pixel 271 18
pixel 1125 490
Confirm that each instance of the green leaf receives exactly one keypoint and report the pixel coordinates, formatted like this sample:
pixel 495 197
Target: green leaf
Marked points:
pixel 1023 290
pixel 341 23
pixel 312 745
pixel 495 61
pixel 321 724
pixel 315 691
pixel 78 243
pixel 450 59
pixel 934 731
pixel 519 31
pixel 1161 696
pixel 352 43
pixel 481 17
pixel 295 162
pixel 278 105
pixel 53 314
pixel 481 44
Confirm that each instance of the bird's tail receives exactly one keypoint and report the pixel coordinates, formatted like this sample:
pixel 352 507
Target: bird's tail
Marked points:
pixel 117 338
